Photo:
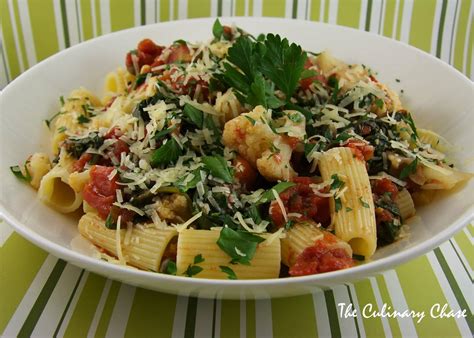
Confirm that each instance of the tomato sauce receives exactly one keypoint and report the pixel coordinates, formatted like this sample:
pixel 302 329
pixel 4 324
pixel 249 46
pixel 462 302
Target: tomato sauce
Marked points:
pixel 99 193
pixel 361 150
pixel 385 186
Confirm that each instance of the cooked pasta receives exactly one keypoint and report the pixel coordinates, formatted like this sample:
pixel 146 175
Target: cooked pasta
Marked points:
pixel 227 158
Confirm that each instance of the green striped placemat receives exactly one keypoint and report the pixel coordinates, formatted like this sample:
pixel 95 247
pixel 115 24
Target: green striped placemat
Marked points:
pixel 43 296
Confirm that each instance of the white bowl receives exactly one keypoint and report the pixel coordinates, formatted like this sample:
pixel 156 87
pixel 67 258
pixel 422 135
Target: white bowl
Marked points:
pixel 440 97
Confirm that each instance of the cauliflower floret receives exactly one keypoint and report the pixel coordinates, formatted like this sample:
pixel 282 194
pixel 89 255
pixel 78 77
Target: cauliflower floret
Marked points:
pixel 37 165
pixel 268 150
pixel 174 208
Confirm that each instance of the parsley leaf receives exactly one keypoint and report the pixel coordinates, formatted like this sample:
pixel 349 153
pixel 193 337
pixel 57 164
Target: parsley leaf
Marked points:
pixel 337 204
pixel 228 271
pixel 217 29
pixel 18 173
pixel 336 182
pixel 162 133
pixel 363 203
pixel 166 154
pixel 409 120
pixel 268 196
pixel 217 165
pixel 110 222
pixel 409 169
pixel 198 259
pixel 193 115
pixel 192 270
pixel 171 268
pixel 83 119
pixel 239 245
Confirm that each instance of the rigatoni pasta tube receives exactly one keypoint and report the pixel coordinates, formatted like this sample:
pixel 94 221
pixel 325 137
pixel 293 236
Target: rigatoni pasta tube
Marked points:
pixel 304 235
pixel 265 263
pixel 405 203
pixel 354 221
pixel 55 191
pixel 141 247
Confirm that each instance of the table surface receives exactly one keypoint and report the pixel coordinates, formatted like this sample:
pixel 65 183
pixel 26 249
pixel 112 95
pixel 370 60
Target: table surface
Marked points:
pixel 42 295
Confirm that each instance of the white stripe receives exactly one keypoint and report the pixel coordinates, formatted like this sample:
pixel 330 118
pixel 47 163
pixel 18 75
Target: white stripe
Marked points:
pixel 468 234
pixel 378 300
pixel 204 317
pixel 288 8
pixel 105 16
pixel 395 19
pixel 463 281
pixel 382 17
pixel 8 74
pixel 79 18
pixel 363 14
pixel 246 8
pixel 243 318
pixel 182 9
pixel 448 30
pixel 263 318
pixel 179 323
pixel 94 18
pixel 54 309
pixel 27 33
pixel 72 306
pixel 226 8
pixel 5 229
pixel 15 36
pixel 150 11
pixel 448 293
pixel 321 10
pixel 121 312
pixel 99 309
pixel 455 30
pixel 407 328
pixel 74 34
pixel 136 12
pixel 406 21
pixel 30 297
pixel 321 314
pixel 158 10
pixel 213 8
pixel 171 3
pixel 217 324
pixel 257 8
pixel 59 24
pixel 376 16
pixel 436 23
pixel 355 301
pixel 333 7
pixel 342 300
pixel 301 9
pixel 463 258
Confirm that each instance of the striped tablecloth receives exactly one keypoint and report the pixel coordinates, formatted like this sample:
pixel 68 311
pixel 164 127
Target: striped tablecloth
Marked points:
pixel 43 296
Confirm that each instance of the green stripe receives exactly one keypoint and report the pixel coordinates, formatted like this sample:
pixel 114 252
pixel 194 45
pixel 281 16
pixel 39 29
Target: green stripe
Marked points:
pixel 315 10
pixel 470 227
pixel 348 13
pixel 175 9
pixel 18 257
pixel 274 8
pixel 294 316
pixel 86 14
pixel 151 312
pixel 394 327
pixel 42 300
pixel 190 317
pixel 353 306
pixel 219 8
pixel 68 304
pixel 470 48
pixel 67 42
pixel 368 15
pixel 143 12
pixel 332 313
pixel 461 34
pixel 421 301
pixel 422 19
pixel 78 21
pixel 98 18
pixel 108 309
pixel 442 19
pixel 294 13
pixel 21 38
pixel 389 18
pixel 250 320
pixel 451 46
pixel 240 7
pixel 9 40
pixel 214 313
pixel 466 247
pixel 365 295
pixel 199 9
pixel 121 15
pixel 43 28
pixel 165 10
pixel 400 18
pixel 230 318
pixel 4 62
pixel 86 306
pixel 455 287
pixel 460 260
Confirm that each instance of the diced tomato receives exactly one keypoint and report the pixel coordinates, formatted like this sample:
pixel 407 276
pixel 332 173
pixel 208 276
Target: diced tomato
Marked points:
pixel 147 51
pixel 81 162
pixel 305 83
pixel 301 199
pixel 244 173
pixel 291 141
pixel 383 215
pixel 147 46
pixel 323 256
pixel 100 191
pixel 179 53
pixel 113 133
pixel 385 185
pixel 360 149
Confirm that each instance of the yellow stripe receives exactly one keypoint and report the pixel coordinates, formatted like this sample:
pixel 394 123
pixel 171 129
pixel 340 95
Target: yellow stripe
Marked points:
pixel 9 40
pixel 121 14
pixel 43 28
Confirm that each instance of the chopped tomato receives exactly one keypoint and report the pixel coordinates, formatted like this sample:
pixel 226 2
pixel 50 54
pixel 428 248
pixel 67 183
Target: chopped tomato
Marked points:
pixel 291 141
pixel 301 199
pixel 245 174
pixel 385 185
pixel 305 83
pixel 100 191
pixel 179 53
pixel 323 256
pixel 147 46
pixel 383 215
pixel 360 149
pixel 81 162
pixel 147 51
pixel 113 133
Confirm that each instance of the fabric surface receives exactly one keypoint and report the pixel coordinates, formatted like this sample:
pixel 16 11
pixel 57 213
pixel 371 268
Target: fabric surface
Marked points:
pixel 43 296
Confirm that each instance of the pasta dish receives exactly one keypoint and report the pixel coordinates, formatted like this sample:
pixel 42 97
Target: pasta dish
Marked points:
pixel 241 157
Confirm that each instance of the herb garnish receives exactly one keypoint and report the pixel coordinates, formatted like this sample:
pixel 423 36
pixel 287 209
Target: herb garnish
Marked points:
pixel 239 245
pixel 228 271
pixel 19 174
pixel 409 169
pixel 268 195
pixel 166 154
pixel 194 269
pixel 218 167
pixel 363 203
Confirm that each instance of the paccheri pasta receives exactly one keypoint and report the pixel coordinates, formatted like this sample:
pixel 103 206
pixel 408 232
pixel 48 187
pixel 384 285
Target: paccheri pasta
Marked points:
pixel 233 157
